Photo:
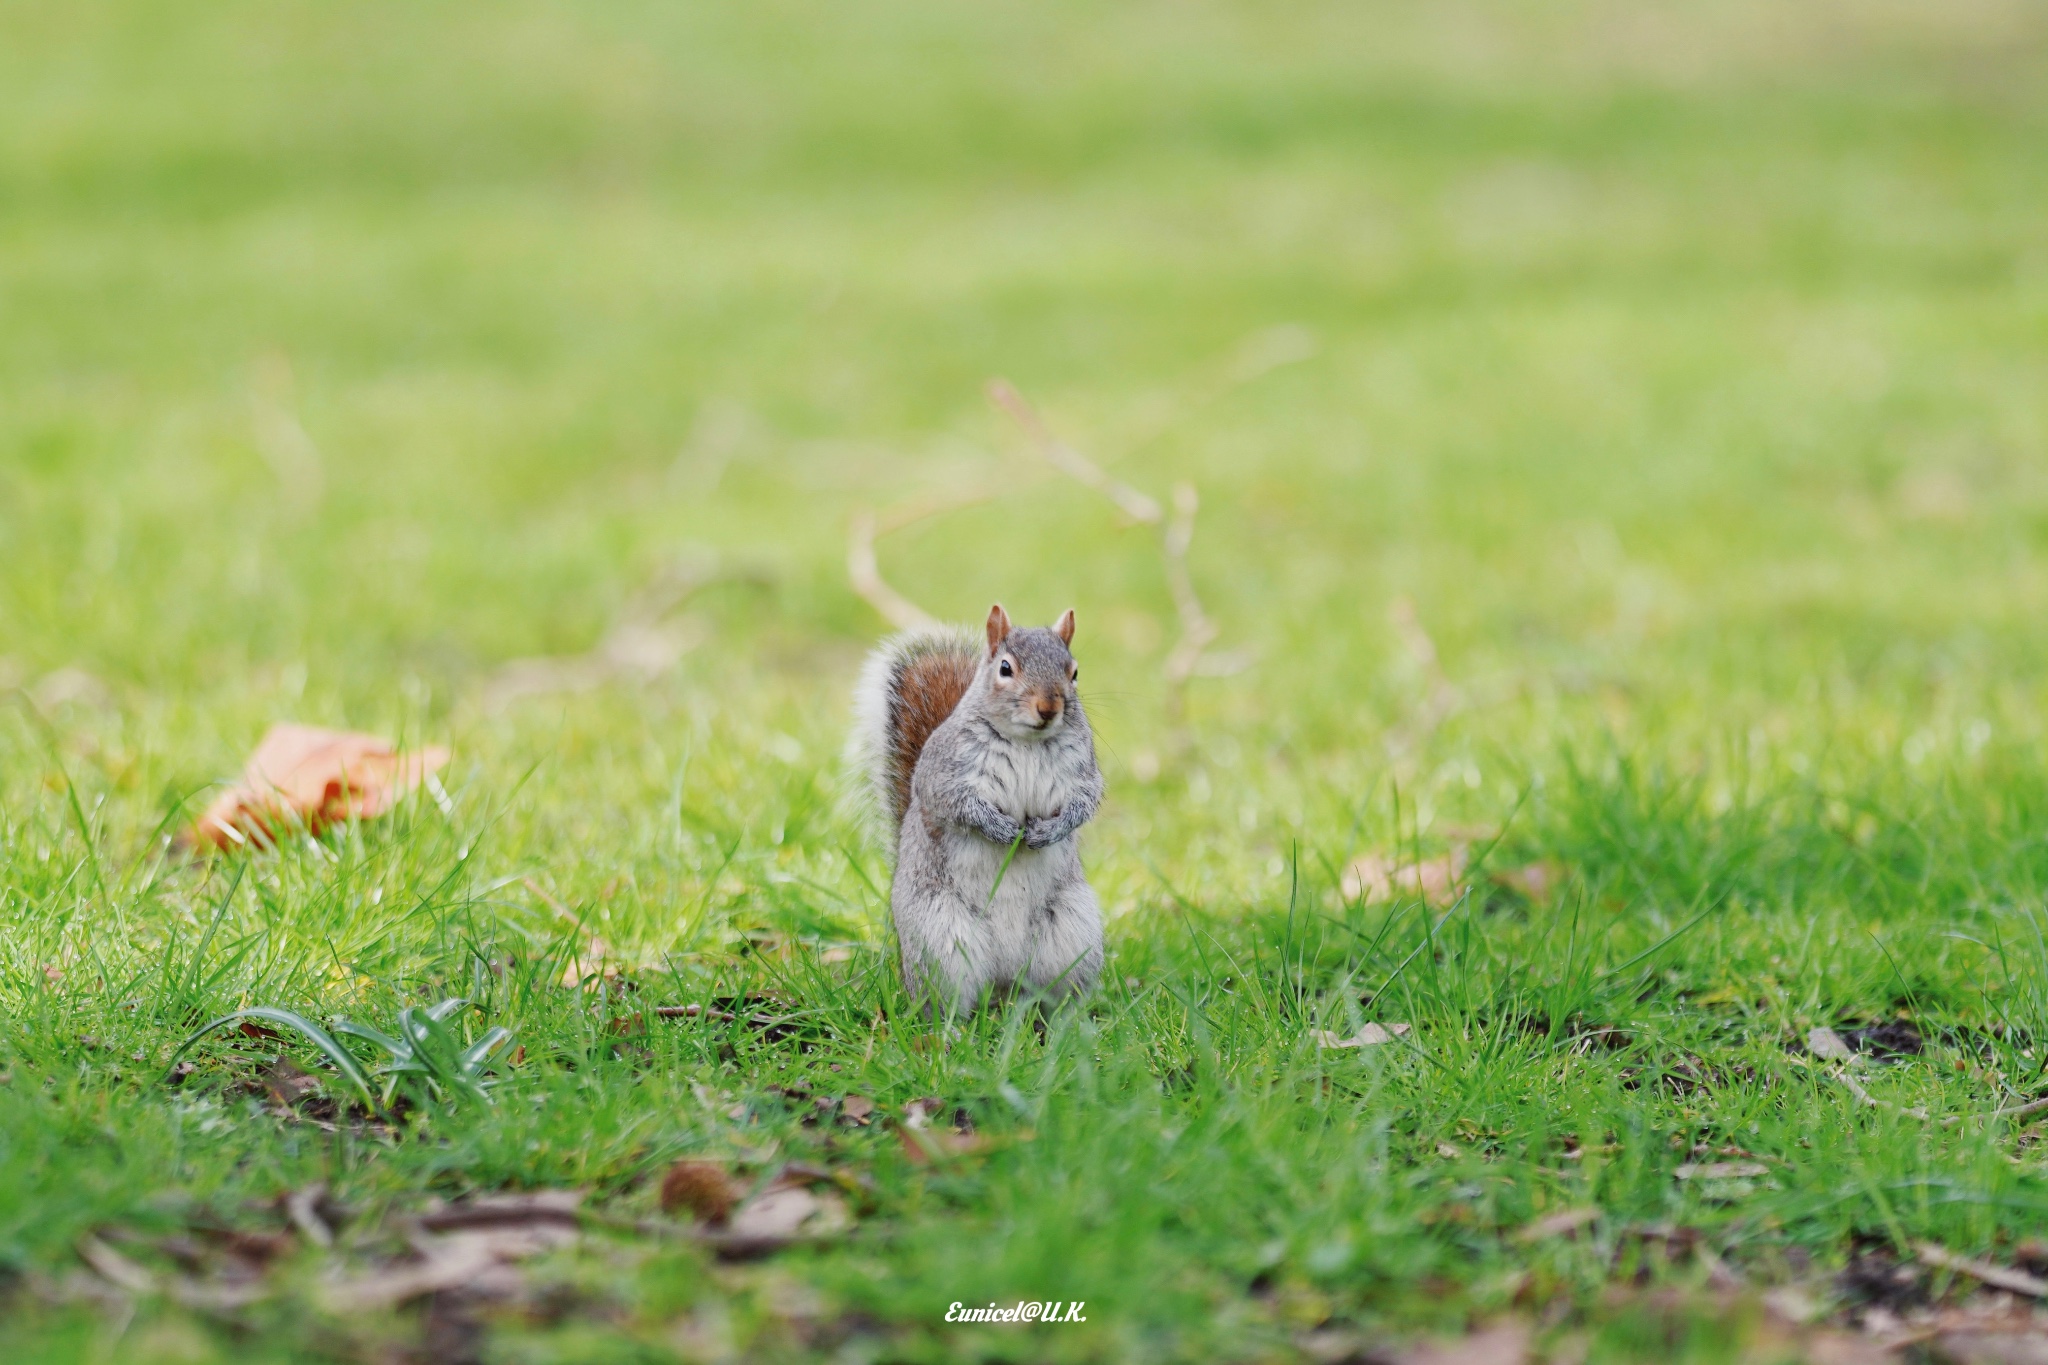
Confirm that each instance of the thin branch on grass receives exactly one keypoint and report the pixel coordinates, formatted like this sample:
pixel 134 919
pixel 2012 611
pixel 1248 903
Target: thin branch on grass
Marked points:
pixel 1198 632
pixel 1136 505
pixel 2014 1111
pixel 1190 653
pixel 1258 355
pixel 1868 1099
pixel 645 642
pixel 865 573
pixel 1998 1276
pixel 2009 1112
pixel 302 1206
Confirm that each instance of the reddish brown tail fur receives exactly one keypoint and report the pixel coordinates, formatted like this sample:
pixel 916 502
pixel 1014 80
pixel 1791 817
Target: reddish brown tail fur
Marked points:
pixel 926 687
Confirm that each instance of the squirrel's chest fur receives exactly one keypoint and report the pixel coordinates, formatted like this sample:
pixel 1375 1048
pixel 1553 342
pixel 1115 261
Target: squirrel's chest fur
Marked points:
pixel 1023 780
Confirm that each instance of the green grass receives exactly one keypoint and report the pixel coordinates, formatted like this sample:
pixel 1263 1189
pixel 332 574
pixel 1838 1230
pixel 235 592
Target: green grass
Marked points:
pixel 1682 368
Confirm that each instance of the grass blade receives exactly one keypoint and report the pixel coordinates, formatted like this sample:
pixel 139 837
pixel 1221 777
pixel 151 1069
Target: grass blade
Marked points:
pixel 339 1056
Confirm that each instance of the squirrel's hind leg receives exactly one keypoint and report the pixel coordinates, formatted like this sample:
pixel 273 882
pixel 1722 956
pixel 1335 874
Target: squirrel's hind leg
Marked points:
pixel 1066 949
pixel 947 976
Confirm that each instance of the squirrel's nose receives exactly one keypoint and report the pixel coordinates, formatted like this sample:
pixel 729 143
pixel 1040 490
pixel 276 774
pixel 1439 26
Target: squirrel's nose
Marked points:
pixel 1048 707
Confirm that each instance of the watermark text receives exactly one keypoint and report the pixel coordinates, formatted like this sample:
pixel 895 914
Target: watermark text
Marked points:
pixel 1024 1310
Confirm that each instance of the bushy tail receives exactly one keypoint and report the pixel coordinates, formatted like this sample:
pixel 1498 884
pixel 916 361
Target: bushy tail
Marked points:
pixel 911 683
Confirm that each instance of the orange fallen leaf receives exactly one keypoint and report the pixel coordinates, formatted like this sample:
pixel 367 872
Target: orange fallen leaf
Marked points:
pixel 302 775
pixel 1375 877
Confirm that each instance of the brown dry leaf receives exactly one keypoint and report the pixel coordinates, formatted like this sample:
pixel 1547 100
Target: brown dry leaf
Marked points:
pixel 1504 1343
pixel 1972 1347
pixel 1722 1170
pixel 1827 1347
pixel 471 1245
pixel 926 1145
pixel 1538 880
pixel 288 1084
pixel 589 968
pixel 792 1207
pixel 1376 877
pixel 857 1109
pixel 1368 1035
pixel 476 1261
pixel 918 1113
pixel 1558 1224
pixel 314 778
pixel 784 1211
pixel 701 1186
pixel 1828 1045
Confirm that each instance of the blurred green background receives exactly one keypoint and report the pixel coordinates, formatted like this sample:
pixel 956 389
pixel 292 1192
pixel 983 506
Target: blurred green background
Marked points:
pixel 1676 370
pixel 1666 391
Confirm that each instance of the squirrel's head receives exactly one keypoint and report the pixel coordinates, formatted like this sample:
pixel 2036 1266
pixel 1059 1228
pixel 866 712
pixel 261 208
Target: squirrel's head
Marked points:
pixel 1031 676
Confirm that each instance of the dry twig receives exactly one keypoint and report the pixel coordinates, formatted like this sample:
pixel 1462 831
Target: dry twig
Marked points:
pixel 1998 1276
pixel 1136 505
pixel 1260 354
pixel 2016 1110
pixel 1189 654
pixel 2009 1112
pixel 645 642
pixel 1257 356
pixel 866 574
pixel 1198 632
pixel 1864 1095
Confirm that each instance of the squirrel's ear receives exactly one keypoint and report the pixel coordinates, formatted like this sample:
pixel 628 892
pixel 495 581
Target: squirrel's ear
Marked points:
pixel 1064 627
pixel 998 627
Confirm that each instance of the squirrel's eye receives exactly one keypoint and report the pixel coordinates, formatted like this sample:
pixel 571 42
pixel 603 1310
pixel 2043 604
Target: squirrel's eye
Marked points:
pixel 1074 673
pixel 1006 670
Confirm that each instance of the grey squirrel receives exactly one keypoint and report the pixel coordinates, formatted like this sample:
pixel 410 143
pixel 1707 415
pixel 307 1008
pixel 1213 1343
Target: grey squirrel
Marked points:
pixel 982 762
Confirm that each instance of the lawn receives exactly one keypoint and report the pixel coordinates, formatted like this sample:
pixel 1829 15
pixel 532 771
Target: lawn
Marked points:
pixel 1621 441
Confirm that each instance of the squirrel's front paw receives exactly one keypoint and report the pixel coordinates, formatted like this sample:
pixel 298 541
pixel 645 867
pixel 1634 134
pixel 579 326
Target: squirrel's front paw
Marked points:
pixel 1041 831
